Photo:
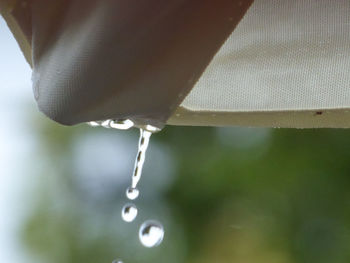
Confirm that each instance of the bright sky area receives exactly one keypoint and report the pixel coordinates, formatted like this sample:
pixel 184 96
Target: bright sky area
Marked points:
pixel 16 144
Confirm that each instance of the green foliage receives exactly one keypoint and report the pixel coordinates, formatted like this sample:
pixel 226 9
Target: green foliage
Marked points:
pixel 283 198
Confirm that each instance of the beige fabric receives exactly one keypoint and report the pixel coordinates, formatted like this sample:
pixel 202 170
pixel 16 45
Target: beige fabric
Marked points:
pixel 285 61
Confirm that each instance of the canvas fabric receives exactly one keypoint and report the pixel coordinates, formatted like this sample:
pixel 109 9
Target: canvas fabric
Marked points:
pixel 116 59
pixel 287 64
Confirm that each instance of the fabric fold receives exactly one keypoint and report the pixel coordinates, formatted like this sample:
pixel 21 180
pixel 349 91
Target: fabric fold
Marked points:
pixel 113 59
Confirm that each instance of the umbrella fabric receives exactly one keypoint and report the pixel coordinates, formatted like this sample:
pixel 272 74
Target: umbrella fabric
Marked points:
pixel 183 62
pixel 286 64
pixel 95 60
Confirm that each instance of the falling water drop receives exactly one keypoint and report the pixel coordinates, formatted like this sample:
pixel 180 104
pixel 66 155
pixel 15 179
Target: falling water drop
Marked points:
pixel 129 212
pixel 132 193
pixel 151 233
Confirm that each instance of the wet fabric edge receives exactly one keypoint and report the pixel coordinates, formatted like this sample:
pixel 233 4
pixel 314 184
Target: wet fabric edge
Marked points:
pixel 316 118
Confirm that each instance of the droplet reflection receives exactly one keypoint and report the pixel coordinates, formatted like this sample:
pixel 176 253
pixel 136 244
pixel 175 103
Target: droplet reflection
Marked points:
pixel 129 212
pixel 132 193
pixel 151 233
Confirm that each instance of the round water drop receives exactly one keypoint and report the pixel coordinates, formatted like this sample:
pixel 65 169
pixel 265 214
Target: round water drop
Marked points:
pixel 117 261
pixel 93 124
pixel 129 212
pixel 151 233
pixel 132 193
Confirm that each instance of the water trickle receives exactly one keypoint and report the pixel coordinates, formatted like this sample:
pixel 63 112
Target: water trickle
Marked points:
pixel 129 212
pixel 140 158
pixel 132 193
pixel 151 233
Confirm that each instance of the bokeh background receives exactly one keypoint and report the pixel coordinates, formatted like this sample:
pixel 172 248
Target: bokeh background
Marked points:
pixel 223 194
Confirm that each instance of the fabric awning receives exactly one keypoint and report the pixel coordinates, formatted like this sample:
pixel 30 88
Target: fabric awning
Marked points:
pixel 213 63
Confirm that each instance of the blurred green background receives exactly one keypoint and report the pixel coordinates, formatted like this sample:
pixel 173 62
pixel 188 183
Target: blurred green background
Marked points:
pixel 223 194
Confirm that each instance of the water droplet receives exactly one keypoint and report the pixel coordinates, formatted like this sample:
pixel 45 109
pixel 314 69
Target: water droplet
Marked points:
pixel 117 261
pixel 106 123
pixel 151 233
pixel 129 212
pixel 132 193
pixel 121 124
pixel 151 128
pixel 93 124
